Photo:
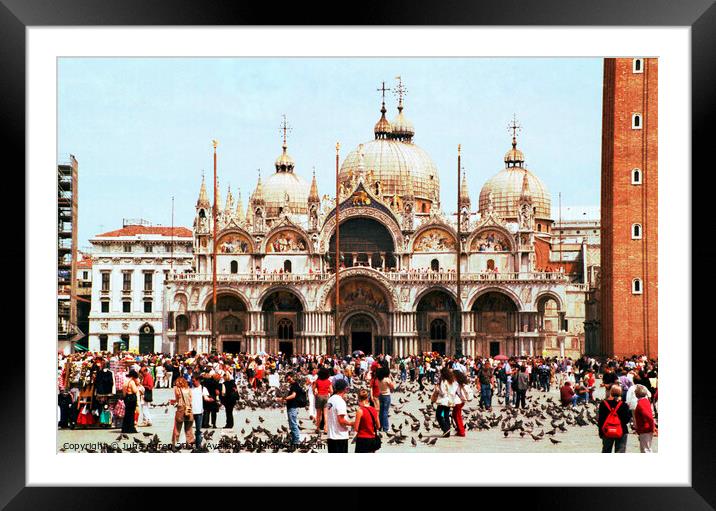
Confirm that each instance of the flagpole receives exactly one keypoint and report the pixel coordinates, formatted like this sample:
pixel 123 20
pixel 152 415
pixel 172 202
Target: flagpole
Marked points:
pixel 336 341
pixel 458 333
pixel 215 212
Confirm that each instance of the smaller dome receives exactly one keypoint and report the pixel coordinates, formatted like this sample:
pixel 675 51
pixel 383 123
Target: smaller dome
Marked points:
pixel 402 127
pixel 514 157
pixel 284 163
pixel 383 126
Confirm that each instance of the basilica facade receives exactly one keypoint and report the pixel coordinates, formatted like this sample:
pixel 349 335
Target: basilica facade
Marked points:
pixel 399 251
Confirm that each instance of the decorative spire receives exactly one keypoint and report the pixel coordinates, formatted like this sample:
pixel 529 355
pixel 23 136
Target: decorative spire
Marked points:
pixel 402 128
pixel 229 202
pixel 464 193
pixel 526 193
pixel 382 128
pixel 240 208
pixel 313 194
pixel 284 163
pixel 258 196
pixel 203 201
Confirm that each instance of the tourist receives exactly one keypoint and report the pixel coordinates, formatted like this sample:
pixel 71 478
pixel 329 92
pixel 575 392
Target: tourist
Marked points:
pixel 229 397
pixel 211 408
pixel 131 390
pixel 337 421
pixel 183 415
pixel 322 388
pixel 445 397
pixel 199 394
pixel 465 394
pixel 644 419
pixel 567 395
pixel 147 398
pixel 613 422
pixel 310 378
pixel 521 386
pixel 295 400
pixel 385 386
pixel 486 378
pixel 367 439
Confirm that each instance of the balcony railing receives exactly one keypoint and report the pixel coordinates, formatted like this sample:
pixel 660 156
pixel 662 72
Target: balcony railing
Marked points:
pixel 408 276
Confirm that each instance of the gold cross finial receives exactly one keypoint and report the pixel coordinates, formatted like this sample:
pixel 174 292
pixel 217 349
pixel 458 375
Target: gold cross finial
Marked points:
pixel 514 126
pixel 284 127
pixel 400 91
pixel 383 89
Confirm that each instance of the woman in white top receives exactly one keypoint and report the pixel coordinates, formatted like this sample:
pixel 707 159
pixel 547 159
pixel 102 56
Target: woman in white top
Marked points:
pixel 445 396
pixel 313 376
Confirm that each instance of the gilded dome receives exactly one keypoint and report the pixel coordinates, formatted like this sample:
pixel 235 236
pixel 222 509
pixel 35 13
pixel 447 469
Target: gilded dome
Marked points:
pixel 395 163
pixel 506 187
pixel 402 127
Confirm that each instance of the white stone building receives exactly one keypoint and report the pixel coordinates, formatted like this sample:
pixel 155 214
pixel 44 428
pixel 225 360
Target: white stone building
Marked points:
pixel 129 267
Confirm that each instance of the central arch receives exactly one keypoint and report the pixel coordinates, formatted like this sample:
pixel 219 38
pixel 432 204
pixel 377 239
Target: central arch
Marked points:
pixel 495 316
pixel 361 329
pixel 283 319
pixel 364 242
pixel 437 320
pixel 231 320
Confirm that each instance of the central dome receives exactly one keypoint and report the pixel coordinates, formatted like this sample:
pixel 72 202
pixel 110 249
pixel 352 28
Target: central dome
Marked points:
pixel 286 188
pixel 393 162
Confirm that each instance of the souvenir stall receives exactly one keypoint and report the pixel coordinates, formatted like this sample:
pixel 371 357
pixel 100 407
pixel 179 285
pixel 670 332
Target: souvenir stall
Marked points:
pixel 93 391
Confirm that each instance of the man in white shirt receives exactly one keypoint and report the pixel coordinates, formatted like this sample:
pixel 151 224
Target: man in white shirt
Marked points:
pixel 199 394
pixel 337 419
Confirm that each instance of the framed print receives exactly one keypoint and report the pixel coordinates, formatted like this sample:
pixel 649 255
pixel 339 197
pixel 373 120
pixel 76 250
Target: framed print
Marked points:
pixel 277 243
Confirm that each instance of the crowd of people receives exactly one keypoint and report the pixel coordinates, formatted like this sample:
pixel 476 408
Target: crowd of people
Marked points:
pixel 92 386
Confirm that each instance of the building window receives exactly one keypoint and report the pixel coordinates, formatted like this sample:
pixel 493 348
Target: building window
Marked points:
pixel 636 121
pixel 105 281
pixel 105 306
pixel 148 306
pixel 636 176
pixel 638 65
pixel 126 306
pixel 435 265
pixel 127 281
pixel 636 231
pixel 284 329
pixel 636 286
pixel 102 343
pixel 539 227
pixel 438 330
pixel 127 248
pixel 234 267
pixel 148 281
pixel 287 266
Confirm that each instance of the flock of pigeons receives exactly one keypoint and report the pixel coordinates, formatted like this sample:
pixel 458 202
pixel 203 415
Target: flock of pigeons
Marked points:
pixel 543 418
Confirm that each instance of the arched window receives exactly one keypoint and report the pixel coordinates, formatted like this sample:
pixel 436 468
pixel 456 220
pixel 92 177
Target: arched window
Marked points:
pixel 539 227
pixel 435 265
pixel 438 330
pixel 636 176
pixel 287 266
pixel 234 267
pixel 638 66
pixel 284 329
pixel 636 231
pixel 636 286
pixel 636 121
pixel 231 325
pixel 490 264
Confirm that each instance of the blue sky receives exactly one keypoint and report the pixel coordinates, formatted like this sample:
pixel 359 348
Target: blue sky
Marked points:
pixel 141 128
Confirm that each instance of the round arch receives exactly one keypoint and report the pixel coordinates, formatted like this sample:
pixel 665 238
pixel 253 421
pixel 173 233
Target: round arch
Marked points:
pixel 419 238
pixel 286 239
pixel 325 299
pixel 388 221
pixel 278 289
pixel 425 292
pixel 224 291
pixel 379 328
pixel 505 235
pixel 545 295
pixel 235 236
pixel 495 289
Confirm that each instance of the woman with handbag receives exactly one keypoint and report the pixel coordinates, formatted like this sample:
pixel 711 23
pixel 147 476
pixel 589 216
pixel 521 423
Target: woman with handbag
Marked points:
pixel 367 438
pixel 464 393
pixel 183 415
pixel 229 397
pixel 445 396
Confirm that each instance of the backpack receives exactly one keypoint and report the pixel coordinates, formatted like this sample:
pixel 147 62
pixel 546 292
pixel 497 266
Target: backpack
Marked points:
pixel 612 427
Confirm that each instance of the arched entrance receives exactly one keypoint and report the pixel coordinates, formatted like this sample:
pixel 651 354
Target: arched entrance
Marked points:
pixel 495 320
pixel 146 339
pixel 437 321
pixel 360 329
pixel 230 322
pixel 283 319
pixel 364 242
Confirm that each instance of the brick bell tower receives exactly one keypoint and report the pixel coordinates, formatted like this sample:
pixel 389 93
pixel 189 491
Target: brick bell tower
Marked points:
pixel 629 278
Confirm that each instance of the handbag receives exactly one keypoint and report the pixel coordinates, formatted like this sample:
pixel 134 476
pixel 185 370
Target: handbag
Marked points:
pixel 183 411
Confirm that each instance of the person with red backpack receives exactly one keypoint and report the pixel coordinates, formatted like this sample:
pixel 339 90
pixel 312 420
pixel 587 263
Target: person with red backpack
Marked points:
pixel 613 421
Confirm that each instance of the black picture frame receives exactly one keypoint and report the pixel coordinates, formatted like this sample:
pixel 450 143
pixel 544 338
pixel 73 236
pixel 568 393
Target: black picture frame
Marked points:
pixel 700 15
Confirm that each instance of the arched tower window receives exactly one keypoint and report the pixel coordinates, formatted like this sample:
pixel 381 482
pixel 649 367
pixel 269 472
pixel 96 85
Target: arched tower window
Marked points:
pixel 636 231
pixel 234 267
pixel 287 266
pixel 435 265
pixel 636 121
pixel 636 287
pixel 636 176
pixel 638 65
